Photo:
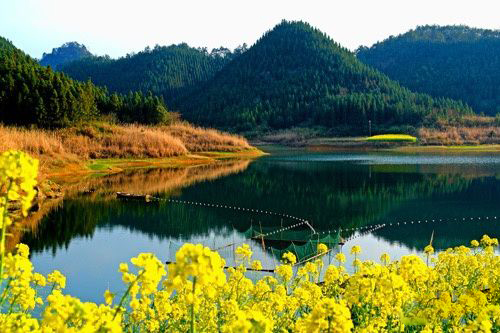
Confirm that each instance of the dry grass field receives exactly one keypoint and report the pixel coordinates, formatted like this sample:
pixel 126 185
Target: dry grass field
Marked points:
pixel 75 145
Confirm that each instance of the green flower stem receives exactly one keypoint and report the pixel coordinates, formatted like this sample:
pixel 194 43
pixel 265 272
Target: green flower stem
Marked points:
pixel 3 232
pixel 126 294
pixel 192 330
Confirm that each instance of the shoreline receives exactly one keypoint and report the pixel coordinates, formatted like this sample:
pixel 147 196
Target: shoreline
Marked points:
pixel 356 144
pixel 108 166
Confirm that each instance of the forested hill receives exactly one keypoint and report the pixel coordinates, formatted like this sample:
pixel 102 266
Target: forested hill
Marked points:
pixel 296 75
pixel 31 94
pixel 453 61
pixel 65 53
pixel 5 44
pixel 167 71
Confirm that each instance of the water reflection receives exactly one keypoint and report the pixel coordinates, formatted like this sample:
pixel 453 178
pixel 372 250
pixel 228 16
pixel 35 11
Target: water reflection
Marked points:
pixel 89 234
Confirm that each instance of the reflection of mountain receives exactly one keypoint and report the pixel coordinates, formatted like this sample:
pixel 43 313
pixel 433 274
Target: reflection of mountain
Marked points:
pixel 156 180
pixel 479 199
pixel 145 181
pixel 446 234
pixel 328 194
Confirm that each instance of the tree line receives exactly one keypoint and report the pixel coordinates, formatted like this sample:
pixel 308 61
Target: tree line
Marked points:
pixel 31 94
pixel 167 71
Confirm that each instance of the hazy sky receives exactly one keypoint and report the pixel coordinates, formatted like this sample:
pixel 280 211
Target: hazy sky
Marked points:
pixel 119 27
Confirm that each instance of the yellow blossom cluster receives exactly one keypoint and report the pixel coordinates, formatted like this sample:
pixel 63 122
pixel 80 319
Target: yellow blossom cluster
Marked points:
pixel 18 173
pixel 457 290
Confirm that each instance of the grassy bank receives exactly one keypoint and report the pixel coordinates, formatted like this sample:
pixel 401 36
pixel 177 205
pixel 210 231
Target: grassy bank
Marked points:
pixel 473 137
pixel 460 135
pixel 102 147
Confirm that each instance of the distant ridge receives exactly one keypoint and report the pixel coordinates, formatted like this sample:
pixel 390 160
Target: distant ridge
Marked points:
pixel 444 61
pixel 67 52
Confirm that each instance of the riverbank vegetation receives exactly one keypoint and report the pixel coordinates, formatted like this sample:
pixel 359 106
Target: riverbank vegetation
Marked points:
pixel 454 290
pixel 99 140
pixel 466 130
pixel 460 136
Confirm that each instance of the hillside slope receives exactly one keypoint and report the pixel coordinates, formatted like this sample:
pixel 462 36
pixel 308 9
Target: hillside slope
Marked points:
pixel 166 71
pixel 31 94
pixel 296 75
pixel 452 61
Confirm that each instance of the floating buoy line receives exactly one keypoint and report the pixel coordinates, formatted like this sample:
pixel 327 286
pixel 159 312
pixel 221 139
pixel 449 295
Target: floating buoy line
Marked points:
pixel 361 231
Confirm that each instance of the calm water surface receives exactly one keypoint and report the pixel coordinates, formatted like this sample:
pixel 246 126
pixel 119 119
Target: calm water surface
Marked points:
pixel 89 234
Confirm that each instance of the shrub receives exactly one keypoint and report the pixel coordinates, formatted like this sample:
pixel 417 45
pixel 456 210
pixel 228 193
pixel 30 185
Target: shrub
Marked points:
pixel 392 138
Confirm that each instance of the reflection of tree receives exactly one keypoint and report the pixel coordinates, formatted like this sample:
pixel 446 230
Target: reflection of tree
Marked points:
pixel 478 200
pixel 446 234
pixel 16 231
pixel 156 180
pixel 75 218
pixel 330 195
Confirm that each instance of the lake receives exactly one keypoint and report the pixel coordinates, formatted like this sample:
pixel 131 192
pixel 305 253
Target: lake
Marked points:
pixel 384 202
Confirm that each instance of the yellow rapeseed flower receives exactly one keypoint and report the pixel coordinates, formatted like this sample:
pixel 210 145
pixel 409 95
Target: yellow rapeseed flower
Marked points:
pixel 256 265
pixel 340 257
pixel 289 258
pixel 244 253
pixel 356 249
pixel 322 248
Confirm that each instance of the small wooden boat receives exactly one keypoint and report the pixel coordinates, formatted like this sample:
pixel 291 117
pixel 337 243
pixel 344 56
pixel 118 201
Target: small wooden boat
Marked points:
pixel 131 196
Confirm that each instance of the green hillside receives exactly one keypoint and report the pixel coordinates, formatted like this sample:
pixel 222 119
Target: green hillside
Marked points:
pixel 31 94
pixel 452 61
pixel 295 75
pixel 167 71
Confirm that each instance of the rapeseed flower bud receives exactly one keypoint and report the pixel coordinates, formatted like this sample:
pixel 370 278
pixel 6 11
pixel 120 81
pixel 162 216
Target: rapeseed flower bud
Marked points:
pixel 429 250
pixel 108 297
pixel 385 258
pixel 289 258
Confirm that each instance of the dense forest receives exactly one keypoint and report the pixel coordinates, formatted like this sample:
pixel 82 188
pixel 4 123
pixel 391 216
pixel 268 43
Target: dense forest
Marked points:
pixel 452 61
pixel 168 71
pixel 31 94
pixel 296 75
pixel 68 52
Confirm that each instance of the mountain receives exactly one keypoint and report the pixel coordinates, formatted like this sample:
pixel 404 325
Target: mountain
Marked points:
pixel 452 61
pixel 295 75
pixel 68 52
pixel 6 44
pixel 168 71
pixel 31 94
